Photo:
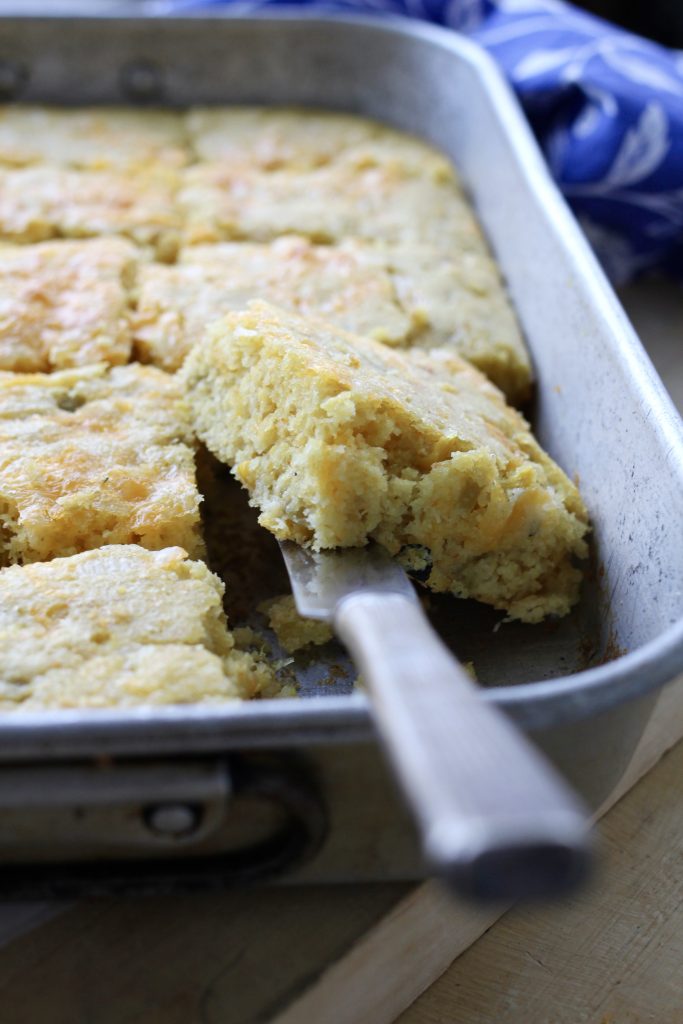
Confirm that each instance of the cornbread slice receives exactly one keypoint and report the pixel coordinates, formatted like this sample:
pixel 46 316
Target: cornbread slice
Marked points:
pixel 277 138
pixel 383 201
pixel 38 203
pixel 459 301
pixel 400 295
pixel 65 304
pixel 174 304
pixel 339 439
pixel 272 138
pixel 91 137
pixel 93 456
pixel 118 626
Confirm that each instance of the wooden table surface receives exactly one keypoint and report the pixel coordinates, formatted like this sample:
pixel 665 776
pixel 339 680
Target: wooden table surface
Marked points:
pixel 611 955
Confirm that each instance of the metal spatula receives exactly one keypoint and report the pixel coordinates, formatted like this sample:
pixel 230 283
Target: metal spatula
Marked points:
pixel 496 819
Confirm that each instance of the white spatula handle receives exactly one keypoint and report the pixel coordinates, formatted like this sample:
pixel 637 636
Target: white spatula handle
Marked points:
pixel 496 818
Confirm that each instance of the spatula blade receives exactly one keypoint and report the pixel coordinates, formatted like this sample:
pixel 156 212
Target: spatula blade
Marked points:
pixel 321 579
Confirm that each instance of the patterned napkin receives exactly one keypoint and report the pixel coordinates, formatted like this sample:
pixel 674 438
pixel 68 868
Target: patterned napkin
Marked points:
pixel 606 106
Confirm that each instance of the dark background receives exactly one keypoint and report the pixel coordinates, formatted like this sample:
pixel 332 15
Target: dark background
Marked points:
pixel 659 19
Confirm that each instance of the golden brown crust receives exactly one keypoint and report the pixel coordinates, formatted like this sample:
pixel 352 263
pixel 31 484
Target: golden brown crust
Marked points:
pixel 91 138
pixel 65 304
pixel 297 139
pixel 43 202
pixel 382 201
pixel 94 456
pixel 175 304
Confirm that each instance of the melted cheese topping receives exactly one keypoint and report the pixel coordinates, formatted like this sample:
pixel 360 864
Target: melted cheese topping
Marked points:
pixel 91 457
pixel 65 304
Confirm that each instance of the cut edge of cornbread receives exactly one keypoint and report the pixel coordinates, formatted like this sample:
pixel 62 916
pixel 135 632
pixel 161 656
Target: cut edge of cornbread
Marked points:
pixel 339 439
pixel 119 626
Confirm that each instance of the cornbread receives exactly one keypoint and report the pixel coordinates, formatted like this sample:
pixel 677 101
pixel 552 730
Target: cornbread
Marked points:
pixel 459 302
pixel 91 137
pixel 65 304
pixel 174 304
pixel 273 138
pixel 116 627
pixel 43 202
pixel 296 139
pixel 293 632
pixel 399 295
pixel 339 439
pixel 382 201
pixel 93 456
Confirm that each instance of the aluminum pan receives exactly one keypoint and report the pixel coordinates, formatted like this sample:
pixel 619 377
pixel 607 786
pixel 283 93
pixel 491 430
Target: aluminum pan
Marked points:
pixel 310 61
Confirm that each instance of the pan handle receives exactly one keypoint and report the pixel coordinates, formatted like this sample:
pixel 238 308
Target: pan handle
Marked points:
pixel 282 780
pixel 496 818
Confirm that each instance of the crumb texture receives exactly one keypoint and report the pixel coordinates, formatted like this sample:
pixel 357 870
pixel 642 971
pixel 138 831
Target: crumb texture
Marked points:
pixel 115 627
pixel 95 456
pixel 293 632
pixel 339 439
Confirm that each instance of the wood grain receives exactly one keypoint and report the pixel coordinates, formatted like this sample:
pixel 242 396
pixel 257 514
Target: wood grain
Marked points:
pixel 611 955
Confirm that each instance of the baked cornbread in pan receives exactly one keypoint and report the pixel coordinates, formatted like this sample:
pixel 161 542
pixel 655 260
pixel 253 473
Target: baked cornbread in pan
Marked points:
pixel 272 138
pixel 340 439
pixel 95 456
pixel 118 626
pixel 92 138
pixel 43 202
pixel 175 303
pixel 65 304
pixel 400 295
pixel 459 301
pixel 383 200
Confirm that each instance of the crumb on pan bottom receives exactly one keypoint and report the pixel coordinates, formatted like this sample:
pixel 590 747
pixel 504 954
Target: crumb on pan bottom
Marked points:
pixel 293 632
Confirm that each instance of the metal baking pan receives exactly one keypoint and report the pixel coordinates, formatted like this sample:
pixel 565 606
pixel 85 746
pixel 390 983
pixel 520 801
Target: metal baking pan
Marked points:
pixel 297 787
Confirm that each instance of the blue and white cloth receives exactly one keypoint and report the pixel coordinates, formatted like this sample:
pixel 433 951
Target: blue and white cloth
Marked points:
pixel 606 106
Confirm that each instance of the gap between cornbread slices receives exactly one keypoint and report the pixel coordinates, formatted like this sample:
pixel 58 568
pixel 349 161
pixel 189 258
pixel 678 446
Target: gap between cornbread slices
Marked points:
pixel 339 439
